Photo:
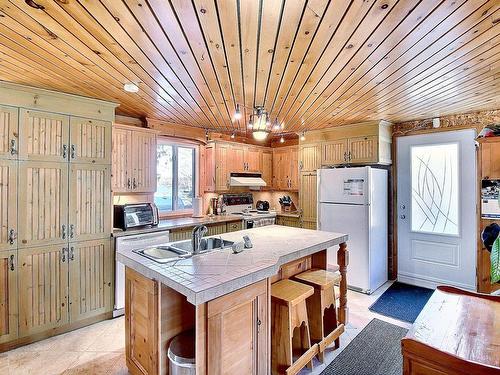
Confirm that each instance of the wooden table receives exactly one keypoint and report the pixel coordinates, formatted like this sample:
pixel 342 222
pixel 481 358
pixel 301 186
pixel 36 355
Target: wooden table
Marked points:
pixel 457 332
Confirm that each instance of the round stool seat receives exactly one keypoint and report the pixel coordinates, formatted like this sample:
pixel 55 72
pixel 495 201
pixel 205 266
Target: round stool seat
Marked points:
pixel 320 279
pixel 290 292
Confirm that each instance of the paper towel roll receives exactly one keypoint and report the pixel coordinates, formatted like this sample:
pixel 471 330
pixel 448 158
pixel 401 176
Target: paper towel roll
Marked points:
pixel 197 207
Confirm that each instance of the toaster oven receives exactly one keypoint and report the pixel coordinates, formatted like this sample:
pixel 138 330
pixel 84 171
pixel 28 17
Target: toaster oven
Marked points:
pixel 127 216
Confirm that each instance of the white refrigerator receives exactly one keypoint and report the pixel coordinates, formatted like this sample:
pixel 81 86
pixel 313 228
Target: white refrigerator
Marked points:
pixel 355 201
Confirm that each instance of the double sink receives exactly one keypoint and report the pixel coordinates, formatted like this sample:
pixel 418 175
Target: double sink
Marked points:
pixel 182 249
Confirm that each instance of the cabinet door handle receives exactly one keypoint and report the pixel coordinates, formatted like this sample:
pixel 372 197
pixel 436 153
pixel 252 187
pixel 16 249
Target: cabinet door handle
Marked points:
pixel 63 229
pixel 301 165
pixel 13 148
pixel 134 183
pixel 349 155
pixel 71 255
pixel 259 323
pixel 129 184
pixel 63 254
pixel 12 265
pixel 64 151
pixel 12 236
pixel 345 155
pixel 71 231
pixel 73 151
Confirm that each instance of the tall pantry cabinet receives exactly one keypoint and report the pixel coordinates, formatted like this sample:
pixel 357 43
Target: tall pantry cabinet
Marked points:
pixel 55 184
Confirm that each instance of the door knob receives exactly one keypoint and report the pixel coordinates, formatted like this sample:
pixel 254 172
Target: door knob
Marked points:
pixel 402 216
pixel 403 206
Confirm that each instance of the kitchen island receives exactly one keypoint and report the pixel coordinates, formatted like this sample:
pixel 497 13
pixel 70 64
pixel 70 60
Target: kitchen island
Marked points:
pixel 224 297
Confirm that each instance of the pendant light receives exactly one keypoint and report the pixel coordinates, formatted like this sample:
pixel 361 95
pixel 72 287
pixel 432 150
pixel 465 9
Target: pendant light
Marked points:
pixel 237 113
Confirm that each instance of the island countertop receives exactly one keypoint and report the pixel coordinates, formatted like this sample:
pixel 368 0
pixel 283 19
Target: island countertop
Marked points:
pixel 207 276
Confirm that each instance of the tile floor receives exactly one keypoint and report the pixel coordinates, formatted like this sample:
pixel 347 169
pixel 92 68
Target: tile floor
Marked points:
pixel 99 349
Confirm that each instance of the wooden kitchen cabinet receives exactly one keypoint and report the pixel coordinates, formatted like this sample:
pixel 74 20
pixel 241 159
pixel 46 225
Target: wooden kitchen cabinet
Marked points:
pixel 334 152
pixel 253 159
pixel 90 278
pixel 267 168
pixel 90 141
pixel 285 168
pixel 43 288
pixel 9 132
pixel 490 157
pixel 141 323
pixel 308 199
pixel 8 296
pixel 133 160
pixel 238 332
pixel 362 149
pixel 43 206
pixel 309 157
pixel 8 204
pixel 43 136
pixel 234 226
pixel 236 158
pixel 209 161
pixel 89 202
pixel 222 155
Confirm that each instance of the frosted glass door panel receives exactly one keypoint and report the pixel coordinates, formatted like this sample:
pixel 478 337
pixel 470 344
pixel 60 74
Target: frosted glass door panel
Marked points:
pixel 434 189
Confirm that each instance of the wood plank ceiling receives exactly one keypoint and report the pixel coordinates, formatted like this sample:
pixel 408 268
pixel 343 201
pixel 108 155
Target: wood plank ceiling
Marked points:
pixel 312 64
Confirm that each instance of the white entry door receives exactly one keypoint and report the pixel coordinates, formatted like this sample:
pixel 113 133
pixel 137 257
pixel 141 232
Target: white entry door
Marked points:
pixel 436 208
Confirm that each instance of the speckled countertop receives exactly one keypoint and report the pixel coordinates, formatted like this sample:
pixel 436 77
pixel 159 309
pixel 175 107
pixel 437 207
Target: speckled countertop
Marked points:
pixel 168 224
pixel 208 276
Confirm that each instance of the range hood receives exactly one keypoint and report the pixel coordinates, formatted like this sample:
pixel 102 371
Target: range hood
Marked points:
pixel 246 179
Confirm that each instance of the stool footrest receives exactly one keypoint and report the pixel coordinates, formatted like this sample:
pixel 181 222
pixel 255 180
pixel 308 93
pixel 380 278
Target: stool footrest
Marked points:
pixel 303 360
pixel 332 336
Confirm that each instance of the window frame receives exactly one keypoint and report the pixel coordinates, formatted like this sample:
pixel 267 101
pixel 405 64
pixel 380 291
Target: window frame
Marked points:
pixel 176 143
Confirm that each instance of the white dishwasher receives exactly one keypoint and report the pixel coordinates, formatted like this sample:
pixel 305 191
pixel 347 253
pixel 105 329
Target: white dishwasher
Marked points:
pixel 130 243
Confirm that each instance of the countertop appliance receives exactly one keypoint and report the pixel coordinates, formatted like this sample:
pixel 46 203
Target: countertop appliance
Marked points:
pixel 355 201
pixel 242 205
pixel 262 205
pixel 135 215
pixel 130 243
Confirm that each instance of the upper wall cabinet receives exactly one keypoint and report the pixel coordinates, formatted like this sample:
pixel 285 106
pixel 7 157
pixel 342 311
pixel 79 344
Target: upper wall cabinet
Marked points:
pixel 133 160
pixel 285 168
pixel 90 141
pixel 365 143
pixel 9 132
pixel 8 204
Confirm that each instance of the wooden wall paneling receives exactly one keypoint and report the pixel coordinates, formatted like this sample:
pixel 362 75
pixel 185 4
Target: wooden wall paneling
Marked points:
pixel 9 132
pixel 341 47
pixel 120 181
pixel 8 204
pixel 90 141
pixel 8 296
pixel 424 61
pixel 43 208
pixel 289 23
pixel 160 31
pixel 90 278
pixel 306 32
pixel 89 202
pixel 141 323
pixel 356 50
pixel 43 288
pixel 43 136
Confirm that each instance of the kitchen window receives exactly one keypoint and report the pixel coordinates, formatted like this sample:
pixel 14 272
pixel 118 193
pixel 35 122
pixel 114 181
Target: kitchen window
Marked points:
pixel 176 177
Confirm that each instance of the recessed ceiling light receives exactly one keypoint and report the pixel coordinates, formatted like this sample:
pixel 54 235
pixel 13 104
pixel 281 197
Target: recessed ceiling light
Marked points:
pixel 131 87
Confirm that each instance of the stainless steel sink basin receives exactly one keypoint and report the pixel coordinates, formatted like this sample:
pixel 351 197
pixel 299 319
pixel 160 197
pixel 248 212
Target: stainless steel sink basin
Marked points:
pixel 163 254
pixel 181 249
pixel 206 244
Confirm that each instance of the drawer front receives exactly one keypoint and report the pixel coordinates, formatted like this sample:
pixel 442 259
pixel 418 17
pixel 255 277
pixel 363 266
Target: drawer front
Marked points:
pixel 233 227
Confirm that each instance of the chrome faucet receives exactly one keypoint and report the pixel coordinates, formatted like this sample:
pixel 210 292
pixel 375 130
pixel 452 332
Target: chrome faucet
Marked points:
pixel 198 232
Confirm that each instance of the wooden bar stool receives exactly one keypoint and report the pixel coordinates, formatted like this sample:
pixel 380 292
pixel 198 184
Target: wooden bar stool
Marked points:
pixel 322 308
pixel 289 311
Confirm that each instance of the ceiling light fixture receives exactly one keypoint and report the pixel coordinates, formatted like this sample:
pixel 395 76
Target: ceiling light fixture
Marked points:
pixel 131 87
pixel 276 125
pixel 233 135
pixel 237 113
pixel 282 139
pixel 303 136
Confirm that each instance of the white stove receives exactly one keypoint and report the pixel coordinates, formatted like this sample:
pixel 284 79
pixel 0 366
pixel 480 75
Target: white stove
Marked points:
pixel 242 205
